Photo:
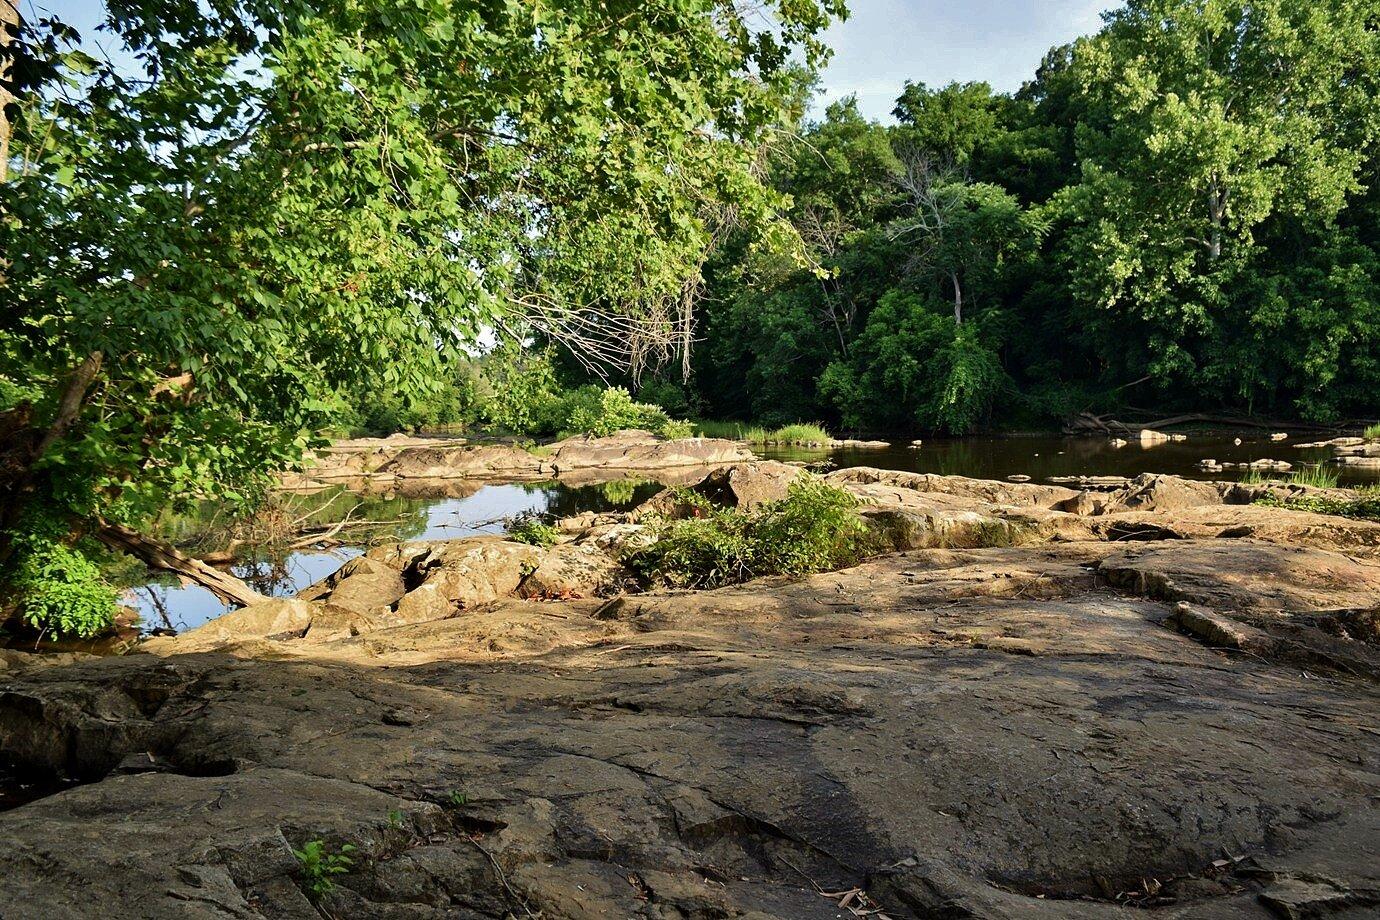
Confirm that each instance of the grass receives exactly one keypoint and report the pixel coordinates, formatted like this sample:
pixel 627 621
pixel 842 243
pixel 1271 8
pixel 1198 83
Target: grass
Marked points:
pixel 1319 477
pixel 799 434
pixel 1372 432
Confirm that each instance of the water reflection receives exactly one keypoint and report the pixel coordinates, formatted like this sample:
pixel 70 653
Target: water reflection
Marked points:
pixel 164 603
pixel 1043 457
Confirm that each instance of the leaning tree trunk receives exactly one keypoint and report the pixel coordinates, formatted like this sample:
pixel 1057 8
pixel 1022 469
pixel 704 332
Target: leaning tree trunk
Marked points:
pixel 160 555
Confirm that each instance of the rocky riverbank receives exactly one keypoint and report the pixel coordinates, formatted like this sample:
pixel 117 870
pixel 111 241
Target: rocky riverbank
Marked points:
pixel 1049 703
pixel 400 460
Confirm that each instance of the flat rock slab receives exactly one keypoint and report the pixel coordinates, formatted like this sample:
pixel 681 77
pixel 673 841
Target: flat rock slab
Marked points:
pixel 996 733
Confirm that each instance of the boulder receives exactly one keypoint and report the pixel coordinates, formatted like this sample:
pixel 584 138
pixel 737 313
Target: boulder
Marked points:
pixel 476 570
pixel 366 587
pixel 574 570
pixel 286 617
pixel 1149 436
pixel 1152 492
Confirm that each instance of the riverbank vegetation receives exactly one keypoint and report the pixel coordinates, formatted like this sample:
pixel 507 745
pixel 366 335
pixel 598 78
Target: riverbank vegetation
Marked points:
pixel 815 528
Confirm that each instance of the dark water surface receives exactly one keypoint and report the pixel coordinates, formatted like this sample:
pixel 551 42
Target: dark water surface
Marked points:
pixel 1044 456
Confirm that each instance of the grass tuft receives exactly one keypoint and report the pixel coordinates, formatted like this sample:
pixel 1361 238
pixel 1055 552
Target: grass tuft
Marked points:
pixel 802 434
pixel 1372 432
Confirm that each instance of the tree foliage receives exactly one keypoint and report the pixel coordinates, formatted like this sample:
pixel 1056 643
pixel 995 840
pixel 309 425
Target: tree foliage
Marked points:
pixel 266 203
pixel 1181 210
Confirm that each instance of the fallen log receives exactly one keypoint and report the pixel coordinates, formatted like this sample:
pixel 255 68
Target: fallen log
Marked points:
pixel 159 555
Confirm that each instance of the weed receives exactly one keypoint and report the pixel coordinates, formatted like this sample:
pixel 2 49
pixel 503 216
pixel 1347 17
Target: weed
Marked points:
pixel 529 528
pixel 1372 432
pixel 458 799
pixel 319 866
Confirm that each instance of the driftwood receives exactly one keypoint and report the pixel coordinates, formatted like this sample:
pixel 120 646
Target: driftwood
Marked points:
pixel 1087 422
pixel 160 555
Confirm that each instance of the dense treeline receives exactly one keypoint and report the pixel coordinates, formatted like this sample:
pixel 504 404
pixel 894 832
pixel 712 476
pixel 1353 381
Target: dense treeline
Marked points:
pixel 1180 211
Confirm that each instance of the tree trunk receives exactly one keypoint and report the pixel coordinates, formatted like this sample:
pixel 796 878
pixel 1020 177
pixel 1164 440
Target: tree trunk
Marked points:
pixel 958 299
pixel 9 36
pixel 1217 212
pixel 160 555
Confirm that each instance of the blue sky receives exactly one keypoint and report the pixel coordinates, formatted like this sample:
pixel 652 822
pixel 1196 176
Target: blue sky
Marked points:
pixel 886 42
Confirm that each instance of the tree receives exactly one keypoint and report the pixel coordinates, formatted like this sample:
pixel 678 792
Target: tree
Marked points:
pixel 284 199
pixel 1204 121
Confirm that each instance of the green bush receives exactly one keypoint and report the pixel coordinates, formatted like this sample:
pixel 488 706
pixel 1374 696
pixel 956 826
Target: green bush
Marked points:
pixel 1372 432
pixel 59 589
pixel 601 411
pixel 531 529
pixel 801 433
pixel 815 528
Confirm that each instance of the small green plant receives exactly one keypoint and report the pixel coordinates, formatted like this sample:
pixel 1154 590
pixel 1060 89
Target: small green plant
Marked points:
pixel 815 528
pixel 529 528
pixel 395 819
pixel 457 799
pixel 319 867
pixel 1372 432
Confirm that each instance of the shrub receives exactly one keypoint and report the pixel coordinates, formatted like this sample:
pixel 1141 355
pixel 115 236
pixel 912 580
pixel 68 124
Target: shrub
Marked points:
pixel 1372 432
pixel 530 529
pixel 814 529
pixel 601 411
pixel 57 587
pixel 800 433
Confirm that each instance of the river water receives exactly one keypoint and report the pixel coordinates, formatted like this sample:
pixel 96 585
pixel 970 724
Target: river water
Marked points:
pixel 163 603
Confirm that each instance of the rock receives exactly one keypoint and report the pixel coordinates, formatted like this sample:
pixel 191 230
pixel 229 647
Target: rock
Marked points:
pixel 1149 436
pixel 276 617
pixel 749 485
pixel 1237 442
pixel 1279 436
pixel 1018 477
pixel 422 604
pixel 475 570
pixel 1369 463
pixel 990 733
pixel 1219 631
pixel 1152 492
pixel 917 443
pixel 366 586
pixel 396 460
pixel 574 570
pixel 1119 442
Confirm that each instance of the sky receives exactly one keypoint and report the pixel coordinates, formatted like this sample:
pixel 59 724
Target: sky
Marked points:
pixel 883 43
